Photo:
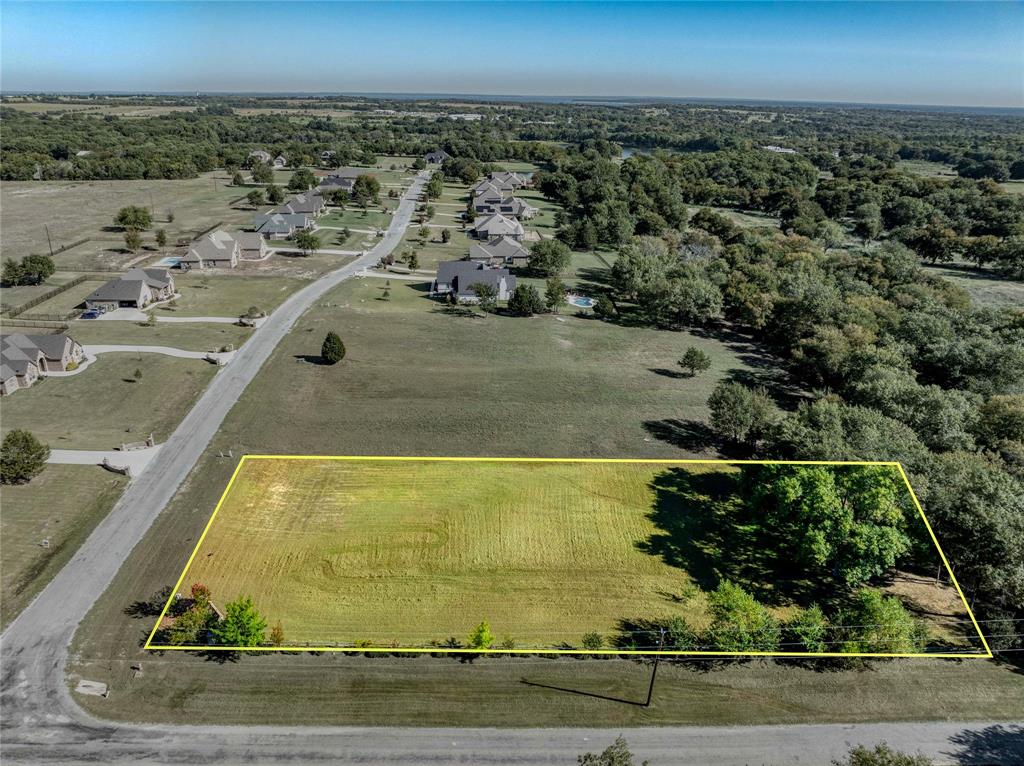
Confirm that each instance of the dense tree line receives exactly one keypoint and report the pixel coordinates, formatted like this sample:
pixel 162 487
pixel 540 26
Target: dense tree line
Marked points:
pixel 901 366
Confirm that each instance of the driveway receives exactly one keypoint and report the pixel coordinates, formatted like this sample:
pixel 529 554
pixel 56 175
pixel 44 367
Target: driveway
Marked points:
pixel 91 352
pixel 137 459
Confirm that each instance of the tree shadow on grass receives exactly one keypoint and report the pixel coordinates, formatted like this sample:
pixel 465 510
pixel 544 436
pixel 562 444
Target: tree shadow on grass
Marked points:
pixel 315 359
pixel 690 435
pixel 704 528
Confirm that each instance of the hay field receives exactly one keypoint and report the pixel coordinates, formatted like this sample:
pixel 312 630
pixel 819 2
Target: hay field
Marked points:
pixel 414 551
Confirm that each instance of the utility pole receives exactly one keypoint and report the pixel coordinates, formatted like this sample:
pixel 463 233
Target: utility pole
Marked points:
pixel 48 242
pixel 654 670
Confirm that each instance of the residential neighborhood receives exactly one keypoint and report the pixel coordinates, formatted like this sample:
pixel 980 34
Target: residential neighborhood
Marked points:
pixel 652 397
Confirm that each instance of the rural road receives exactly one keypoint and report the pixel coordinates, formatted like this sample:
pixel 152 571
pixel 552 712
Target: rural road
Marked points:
pixel 40 722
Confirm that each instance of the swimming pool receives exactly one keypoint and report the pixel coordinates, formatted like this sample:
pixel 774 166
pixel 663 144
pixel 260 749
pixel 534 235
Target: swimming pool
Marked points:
pixel 582 301
pixel 169 262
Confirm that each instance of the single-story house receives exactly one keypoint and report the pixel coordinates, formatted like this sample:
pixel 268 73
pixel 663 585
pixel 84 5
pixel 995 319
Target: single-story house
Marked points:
pixel 497 225
pixel 135 289
pixel 331 183
pixel 310 203
pixel 436 157
pixel 24 357
pixel 216 250
pixel 512 207
pixel 499 251
pixel 261 156
pixel 458 277
pixel 280 225
pixel 279 161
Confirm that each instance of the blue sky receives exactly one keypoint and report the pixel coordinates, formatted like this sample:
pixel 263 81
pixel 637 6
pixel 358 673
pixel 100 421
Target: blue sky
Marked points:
pixel 964 53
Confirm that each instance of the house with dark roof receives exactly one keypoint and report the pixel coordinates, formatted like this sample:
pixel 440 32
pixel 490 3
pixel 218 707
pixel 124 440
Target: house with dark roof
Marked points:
pixel 309 203
pixel 512 207
pixel 216 250
pixel 458 277
pixel 436 157
pixel 280 225
pixel 496 225
pixel 23 358
pixel 500 251
pixel 135 289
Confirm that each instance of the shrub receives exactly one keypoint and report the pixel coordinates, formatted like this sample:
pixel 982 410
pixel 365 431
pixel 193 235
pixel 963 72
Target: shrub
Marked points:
pixel 526 301
pixel 333 350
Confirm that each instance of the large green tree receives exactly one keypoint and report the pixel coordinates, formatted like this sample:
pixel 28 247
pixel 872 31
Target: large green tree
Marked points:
pixel 134 217
pixel 22 457
pixel 848 520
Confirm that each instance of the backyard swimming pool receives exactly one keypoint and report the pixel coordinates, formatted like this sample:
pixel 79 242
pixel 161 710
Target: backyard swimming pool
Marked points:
pixel 582 301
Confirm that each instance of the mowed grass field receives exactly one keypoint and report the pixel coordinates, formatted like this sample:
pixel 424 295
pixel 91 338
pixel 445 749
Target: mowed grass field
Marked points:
pixel 416 551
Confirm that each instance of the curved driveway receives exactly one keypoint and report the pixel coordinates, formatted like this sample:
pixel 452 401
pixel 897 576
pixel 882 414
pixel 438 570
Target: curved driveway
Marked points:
pixel 41 722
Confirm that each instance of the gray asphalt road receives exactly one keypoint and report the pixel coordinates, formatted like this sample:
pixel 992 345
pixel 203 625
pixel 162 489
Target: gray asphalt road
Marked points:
pixel 41 723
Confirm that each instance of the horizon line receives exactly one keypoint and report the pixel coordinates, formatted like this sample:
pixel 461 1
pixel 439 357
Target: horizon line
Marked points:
pixel 504 97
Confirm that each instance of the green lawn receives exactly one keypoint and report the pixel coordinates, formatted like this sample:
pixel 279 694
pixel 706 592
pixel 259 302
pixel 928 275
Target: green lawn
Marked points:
pixel 63 505
pixel 356 218
pixel 228 295
pixel 1013 187
pixel 12 297
pixel 417 551
pixel 67 301
pixel 104 405
pixel 406 553
pixel 191 337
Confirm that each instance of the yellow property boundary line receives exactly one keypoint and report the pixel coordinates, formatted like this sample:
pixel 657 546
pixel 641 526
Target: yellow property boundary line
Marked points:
pixel 149 645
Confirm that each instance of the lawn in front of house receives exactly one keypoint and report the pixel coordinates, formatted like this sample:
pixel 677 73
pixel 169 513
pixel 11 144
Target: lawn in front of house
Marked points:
pixel 227 295
pixel 105 404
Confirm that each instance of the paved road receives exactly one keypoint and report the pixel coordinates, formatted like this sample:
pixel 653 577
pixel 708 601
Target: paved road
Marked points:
pixel 41 723
pixel 34 647
pixel 946 743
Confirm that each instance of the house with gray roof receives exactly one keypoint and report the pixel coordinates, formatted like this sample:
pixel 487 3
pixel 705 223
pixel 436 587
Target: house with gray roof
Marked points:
pixel 500 251
pixel 507 178
pixel 309 203
pixel 280 225
pixel 135 289
pixel 23 358
pixel 436 157
pixel 458 277
pixel 261 156
pixel 496 225
pixel 279 162
pixel 512 207
pixel 216 250
pixel 251 245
